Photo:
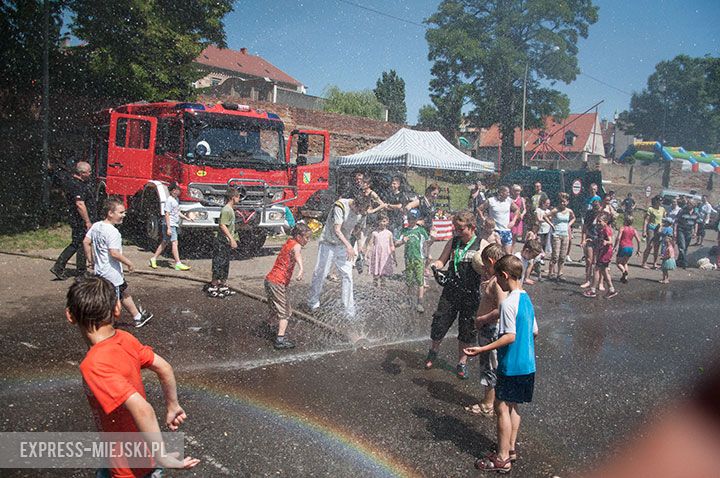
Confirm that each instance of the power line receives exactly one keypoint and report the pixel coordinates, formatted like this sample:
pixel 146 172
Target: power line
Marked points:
pixel 606 84
pixel 378 12
pixel 363 7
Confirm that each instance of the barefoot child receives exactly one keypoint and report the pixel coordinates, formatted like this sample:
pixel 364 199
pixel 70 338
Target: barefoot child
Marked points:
pixel 414 238
pixel 488 232
pixel 588 238
pixel 103 248
pixel 486 324
pixel 112 378
pixel 278 280
pixel 668 250
pixel 382 247
pixel 603 255
pixel 170 232
pixel 516 362
pixel 624 240
pixel 530 251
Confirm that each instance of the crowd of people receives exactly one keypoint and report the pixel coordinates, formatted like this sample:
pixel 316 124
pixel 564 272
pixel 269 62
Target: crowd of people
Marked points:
pixel 483 280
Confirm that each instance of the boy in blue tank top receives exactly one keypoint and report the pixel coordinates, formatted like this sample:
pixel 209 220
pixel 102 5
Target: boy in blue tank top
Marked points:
pixel 516 362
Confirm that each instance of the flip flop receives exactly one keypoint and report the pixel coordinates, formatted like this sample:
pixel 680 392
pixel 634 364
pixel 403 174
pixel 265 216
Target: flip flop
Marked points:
pixel 478 409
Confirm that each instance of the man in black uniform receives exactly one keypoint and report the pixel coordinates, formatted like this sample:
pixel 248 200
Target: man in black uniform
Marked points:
pixel 461 294
pixel 81 207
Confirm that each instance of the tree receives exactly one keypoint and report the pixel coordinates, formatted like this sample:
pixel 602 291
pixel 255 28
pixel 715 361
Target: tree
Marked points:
pixel 680 105
pixel 21 27
pixel 444 115
pixel 135 49
pixel 486 45
pixel 390 91
pixel 355 103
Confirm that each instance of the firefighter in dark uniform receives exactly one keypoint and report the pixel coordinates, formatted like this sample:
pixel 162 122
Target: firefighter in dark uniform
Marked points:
pixel 81 207
pixel 461 293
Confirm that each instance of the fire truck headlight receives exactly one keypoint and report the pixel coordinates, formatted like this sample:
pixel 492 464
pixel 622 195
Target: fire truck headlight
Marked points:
pixel 195 193
pixel 197 215
pixel 276 216
pixel 276 196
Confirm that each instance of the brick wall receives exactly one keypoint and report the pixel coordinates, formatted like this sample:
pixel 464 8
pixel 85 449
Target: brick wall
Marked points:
pixel 348 134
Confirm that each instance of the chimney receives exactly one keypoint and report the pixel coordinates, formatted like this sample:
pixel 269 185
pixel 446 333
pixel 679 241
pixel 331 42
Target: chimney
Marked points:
pixel 243 51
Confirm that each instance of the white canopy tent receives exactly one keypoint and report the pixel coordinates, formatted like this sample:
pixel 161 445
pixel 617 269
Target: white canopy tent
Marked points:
pixel 416 149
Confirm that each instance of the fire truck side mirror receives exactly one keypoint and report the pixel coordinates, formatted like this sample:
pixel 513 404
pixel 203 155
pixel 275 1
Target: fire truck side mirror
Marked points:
pixel 302 144
pixel 202 149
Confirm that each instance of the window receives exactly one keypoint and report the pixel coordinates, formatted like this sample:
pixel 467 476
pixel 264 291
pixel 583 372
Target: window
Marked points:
pixel 214 81
pixel 169 136
pixel 569 138
pixel 132 133
pixel 315 147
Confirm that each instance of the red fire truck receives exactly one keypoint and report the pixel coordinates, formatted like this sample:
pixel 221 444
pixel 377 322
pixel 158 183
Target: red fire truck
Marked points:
pixel 139 148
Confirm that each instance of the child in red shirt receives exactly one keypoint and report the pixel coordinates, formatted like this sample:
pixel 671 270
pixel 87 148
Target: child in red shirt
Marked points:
pixel 278 280
pixel 111 373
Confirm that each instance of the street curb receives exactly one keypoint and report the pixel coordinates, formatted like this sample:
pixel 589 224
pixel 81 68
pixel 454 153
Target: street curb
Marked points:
pixel 247 293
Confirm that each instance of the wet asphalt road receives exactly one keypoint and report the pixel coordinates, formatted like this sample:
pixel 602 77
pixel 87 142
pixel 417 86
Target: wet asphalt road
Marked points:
pixel 328 409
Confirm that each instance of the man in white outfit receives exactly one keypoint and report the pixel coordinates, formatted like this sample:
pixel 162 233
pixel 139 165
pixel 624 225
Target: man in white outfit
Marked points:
pixel 335 248
pixel 499 208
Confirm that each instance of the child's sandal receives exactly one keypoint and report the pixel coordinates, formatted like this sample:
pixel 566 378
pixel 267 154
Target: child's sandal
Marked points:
pixel 491 462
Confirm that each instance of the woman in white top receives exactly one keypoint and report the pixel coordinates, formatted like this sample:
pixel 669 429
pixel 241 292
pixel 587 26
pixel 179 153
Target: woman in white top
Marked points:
pixel 560 220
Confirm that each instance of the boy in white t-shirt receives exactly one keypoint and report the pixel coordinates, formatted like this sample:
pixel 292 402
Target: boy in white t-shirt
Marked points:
pixel 170 231
pixel 103 248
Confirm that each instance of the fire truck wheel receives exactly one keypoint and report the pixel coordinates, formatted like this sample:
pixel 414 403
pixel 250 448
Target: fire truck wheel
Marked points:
pixel 251 242
pixel 150 233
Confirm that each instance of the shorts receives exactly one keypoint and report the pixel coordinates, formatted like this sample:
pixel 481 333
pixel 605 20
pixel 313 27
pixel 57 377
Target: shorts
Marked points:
pixel 488 361
pixel 625 252
pixel 454 305
pixel 515 388
pixel 506 237
pixel 415 272
pixel 602 256
pixel 277 300
pixel 120 290
pixel 105 473
pixel 173 234
pixel 668 264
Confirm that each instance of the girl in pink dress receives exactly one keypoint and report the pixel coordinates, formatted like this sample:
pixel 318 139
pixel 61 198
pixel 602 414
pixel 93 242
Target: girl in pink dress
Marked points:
pixel 519 201
pixel 383 246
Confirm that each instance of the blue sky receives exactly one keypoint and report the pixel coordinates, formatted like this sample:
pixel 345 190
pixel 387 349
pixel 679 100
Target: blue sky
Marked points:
pixel 324 42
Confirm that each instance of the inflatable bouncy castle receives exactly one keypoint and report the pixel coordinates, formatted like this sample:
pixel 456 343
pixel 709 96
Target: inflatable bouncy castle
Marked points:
pixel 652 150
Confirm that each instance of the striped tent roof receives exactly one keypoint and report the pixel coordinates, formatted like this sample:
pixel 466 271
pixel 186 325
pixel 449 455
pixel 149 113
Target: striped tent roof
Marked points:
pixel 417 149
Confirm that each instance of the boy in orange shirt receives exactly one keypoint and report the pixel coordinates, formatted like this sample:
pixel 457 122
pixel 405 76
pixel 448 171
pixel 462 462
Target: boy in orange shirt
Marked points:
pixel 278 280
pixel 111 374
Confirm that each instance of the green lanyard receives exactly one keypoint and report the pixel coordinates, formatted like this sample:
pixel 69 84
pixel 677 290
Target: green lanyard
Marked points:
pixel 458 256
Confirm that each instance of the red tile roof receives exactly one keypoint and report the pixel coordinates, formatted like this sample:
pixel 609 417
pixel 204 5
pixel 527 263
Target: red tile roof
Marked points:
pixel 582 126
pixel 243 62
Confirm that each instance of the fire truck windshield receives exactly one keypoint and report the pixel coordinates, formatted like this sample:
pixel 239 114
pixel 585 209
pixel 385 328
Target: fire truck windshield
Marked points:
pixel 234 141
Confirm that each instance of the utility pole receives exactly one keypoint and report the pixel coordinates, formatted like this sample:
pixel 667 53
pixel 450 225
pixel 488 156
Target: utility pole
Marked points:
pixel 45 169
pixel 522 131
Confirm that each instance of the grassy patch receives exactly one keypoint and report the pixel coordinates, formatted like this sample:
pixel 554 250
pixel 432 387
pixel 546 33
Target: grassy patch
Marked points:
pixel 53 237
pixel 638 220
pixel 459 193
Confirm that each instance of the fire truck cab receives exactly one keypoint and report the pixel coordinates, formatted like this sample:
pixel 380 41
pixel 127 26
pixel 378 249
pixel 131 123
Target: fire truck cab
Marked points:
pixel 140 148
